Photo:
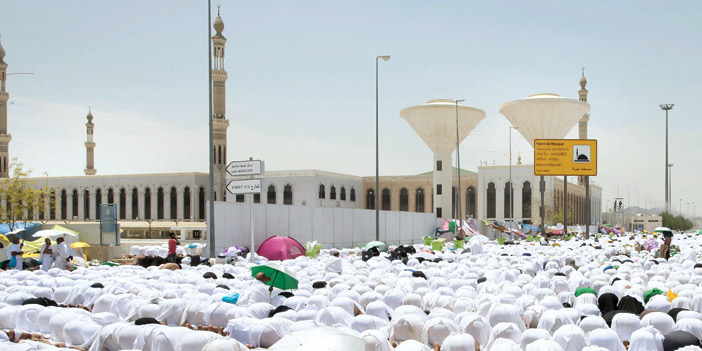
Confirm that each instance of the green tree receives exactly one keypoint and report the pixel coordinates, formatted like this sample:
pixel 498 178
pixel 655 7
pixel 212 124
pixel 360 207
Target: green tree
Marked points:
pixel 675 222
pixel 22 196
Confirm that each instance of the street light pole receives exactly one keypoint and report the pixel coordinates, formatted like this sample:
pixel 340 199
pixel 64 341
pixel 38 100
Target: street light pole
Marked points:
pixel 669 200
pixel 377 172
pixel 459 215
pixel 666 108
pixel 511 191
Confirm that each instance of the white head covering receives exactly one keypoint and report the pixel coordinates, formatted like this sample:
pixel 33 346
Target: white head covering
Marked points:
pixel 437 329
pixel 570 337
pixel 376 340
pixel 591 323
pixel 624 324
pixel 531 335
pixel 412 345
pixel 505 314
pixel 690 325
pixel 659 320
pixel 606 338
pixel 458 342
pixel 504 331
pixel 407 327
pixel 544 345
pixel 646 339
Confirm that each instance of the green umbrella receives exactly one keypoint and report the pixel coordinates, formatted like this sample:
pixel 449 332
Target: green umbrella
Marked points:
pixel 379 244
pixel 585 290
pixel 651 293
pixel 281 277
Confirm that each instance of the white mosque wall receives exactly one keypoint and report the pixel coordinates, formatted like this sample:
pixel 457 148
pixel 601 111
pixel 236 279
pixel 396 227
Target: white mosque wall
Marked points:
pixel 331 227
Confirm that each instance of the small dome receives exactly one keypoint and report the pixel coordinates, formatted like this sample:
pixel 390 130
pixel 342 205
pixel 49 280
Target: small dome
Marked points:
pixel 90 116
pixel 583 82
pixel 219 25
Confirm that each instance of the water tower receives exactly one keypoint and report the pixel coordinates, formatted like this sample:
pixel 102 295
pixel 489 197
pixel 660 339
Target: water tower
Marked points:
pixel 436 123
pixel 544 116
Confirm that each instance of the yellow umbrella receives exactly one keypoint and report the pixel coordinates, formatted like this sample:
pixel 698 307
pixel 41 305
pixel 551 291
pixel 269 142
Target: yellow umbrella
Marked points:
pixel 64 229
pixel 4 239
pixel 79 244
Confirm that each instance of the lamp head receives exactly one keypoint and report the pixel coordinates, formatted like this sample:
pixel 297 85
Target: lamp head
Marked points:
pixel 667 107
pixel 384 57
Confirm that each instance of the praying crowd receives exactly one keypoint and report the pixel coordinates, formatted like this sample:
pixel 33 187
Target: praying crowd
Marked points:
pixel 582 294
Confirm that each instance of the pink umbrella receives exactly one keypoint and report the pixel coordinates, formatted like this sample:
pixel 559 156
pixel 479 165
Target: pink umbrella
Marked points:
pixel 280 248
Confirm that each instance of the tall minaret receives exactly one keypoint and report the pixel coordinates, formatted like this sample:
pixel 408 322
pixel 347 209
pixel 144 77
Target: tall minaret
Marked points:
pixel 219 120
pixel 582 126
pixel 90 146
pixel 4 136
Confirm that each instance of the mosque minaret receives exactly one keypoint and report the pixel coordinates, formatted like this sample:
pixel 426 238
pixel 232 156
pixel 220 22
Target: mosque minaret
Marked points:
pixel 582 125
pixel 90 146
pixel 4 136
pixel 219 119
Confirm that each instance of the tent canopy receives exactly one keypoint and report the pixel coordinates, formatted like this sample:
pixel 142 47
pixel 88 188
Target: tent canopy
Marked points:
pixel 280 248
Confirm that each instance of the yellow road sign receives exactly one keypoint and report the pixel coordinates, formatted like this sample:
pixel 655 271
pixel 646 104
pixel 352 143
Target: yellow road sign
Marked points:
pixel 565 157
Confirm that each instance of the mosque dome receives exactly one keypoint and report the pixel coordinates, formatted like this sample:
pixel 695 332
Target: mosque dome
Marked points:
pixel 219 25
pixel 90 117
pixel 583 81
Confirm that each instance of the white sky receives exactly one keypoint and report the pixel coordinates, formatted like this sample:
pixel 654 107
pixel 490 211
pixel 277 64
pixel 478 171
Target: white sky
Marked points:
pixel 301 88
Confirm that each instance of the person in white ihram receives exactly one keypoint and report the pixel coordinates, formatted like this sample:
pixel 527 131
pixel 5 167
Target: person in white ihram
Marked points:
pixel 16 250
pixel 62 254
pixel 46 255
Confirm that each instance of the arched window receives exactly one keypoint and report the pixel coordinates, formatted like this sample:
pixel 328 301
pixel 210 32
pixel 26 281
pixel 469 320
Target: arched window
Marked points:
pixel 419 200
pixel 352 195
pixel 526 200
pixel 186 203
pixel 74 204
pixel 53 206
pixel 160 203
pixel 491 200
pixel 122 203
pixel 86 204
pixel 342 194
pixel 508 204
pixel 370 199
pixel 201 204
pixel 271 194
pixel 453 202
pixel 385 206
pixel 322 195
pixel 219 155
pixel 174 203
pixel 98 202
pixel 404 200
pixel 147 203
pixel 64 204
pixel 110 196
pixel 287 195
pixel 332 193
pixel 135 203
pixel 470 201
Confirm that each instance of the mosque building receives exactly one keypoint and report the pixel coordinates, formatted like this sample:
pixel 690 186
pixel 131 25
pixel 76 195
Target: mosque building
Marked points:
pixel 151 205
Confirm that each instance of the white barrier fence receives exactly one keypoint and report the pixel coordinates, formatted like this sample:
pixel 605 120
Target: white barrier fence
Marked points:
pixel 331 227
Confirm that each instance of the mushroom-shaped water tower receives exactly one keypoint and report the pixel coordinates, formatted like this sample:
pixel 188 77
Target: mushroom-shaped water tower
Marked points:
pixel 436 123
pixel 544 116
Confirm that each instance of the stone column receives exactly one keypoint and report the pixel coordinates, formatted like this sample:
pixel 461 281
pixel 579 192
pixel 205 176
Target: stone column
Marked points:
pixel 154 203
pixel 141 211
pixel 93 206
pixel 179 203
pixel 69 205
pixel 128 207
pixel 81 210
pixel 412 199
pixel 167 203
pixel 500 200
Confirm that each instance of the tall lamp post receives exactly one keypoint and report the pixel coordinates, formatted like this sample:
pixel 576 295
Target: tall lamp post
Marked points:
pixel 511 191
pixel 377 172
pixel 459 215
pixel 666 108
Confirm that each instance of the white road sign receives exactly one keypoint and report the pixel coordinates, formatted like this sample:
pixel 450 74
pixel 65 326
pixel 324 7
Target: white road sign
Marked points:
pixel 244 168
pixel 245 186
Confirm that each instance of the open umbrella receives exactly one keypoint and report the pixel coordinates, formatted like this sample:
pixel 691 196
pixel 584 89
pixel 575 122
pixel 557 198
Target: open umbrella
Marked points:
pixel 318 339
pixel 4 239
pixel 51 233
pixel 281 277
pixel 379 244
pixel 79 245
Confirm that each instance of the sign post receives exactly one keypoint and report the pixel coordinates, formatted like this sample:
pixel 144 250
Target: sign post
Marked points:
pixel 246 186
pixel 566 157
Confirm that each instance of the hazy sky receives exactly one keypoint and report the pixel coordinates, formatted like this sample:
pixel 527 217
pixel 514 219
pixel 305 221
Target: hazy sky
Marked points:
pixel 301 88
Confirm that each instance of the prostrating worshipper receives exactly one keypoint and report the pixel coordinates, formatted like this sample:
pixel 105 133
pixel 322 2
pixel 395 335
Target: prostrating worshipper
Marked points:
pixel 171 266
pixel 257 291
pixel 679 339
pixel 46 255
pixel 334 263
pixel 15 252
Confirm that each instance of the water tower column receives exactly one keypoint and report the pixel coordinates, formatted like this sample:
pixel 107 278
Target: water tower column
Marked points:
pixel 443 181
